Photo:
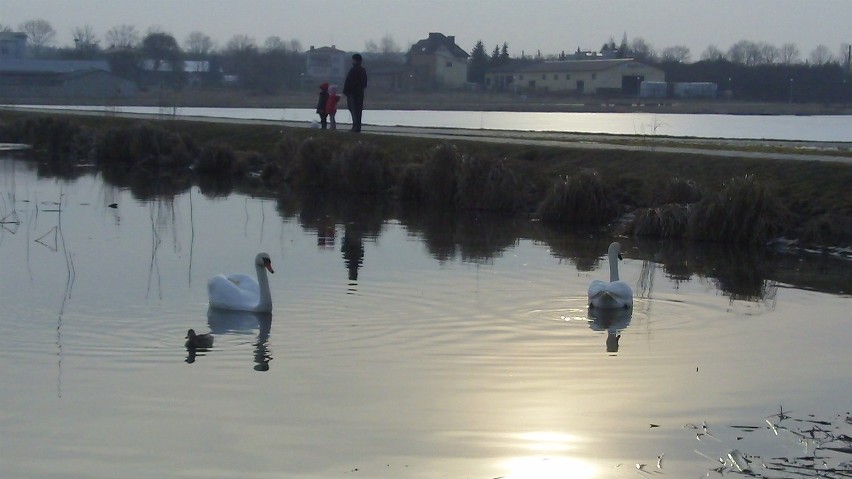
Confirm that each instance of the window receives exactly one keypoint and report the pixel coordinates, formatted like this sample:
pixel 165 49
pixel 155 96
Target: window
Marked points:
pixel 544 76
pixel 555 77
pixel 594 75
pixel 520 77
pixel 567 77
pixel 449 64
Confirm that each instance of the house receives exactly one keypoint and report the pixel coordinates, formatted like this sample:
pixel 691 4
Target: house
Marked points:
pixel 437 62
pixel 62 79
pixel 326 64
pixel 582 77
pixel 13 45
pixel 195 72
pixel 23 78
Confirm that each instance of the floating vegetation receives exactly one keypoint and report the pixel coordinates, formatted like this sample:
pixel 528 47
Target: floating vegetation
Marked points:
pixel 825 447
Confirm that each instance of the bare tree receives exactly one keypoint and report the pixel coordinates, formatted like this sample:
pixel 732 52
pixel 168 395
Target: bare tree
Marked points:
pixel 387 45
pixel 677 53
pixel 641 50
pixel 768 53
pixel 122 36
pixel 39 32
pixel 197 43
pixel 274 43
pixel 370 46
pixel 294 46
pixel 241 42
pixel 844 55
pixel 821 55
pixel 712 53
pixel 85 38
pixel 789 54
pixel 5 28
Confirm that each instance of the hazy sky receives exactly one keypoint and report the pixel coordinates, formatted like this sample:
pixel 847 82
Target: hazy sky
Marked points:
pixel 529 25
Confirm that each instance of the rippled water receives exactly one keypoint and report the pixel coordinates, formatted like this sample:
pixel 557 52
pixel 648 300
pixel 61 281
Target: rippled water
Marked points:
pixel 403 344
pixel 827 128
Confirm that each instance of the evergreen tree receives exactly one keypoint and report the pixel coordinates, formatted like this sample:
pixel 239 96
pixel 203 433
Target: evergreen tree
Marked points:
pixel 478 63
pixel 504 54
pixel 495 56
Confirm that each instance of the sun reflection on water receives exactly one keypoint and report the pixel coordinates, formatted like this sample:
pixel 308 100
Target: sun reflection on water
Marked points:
pixel 544 466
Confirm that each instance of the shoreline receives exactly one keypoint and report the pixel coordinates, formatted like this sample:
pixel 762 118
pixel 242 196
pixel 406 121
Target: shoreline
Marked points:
pixel 458 101
pixel 795 197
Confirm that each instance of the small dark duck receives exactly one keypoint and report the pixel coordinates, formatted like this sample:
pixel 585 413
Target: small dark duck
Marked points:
pixel 198 341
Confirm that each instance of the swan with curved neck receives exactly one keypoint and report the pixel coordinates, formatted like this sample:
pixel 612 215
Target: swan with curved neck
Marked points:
pixel 240 292
pixel 614 293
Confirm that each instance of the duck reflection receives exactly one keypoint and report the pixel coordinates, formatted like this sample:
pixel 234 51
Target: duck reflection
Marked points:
pixel 613 321
pixel 244 322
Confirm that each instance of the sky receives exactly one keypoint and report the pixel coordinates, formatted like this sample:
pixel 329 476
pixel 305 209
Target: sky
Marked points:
pixel 527 25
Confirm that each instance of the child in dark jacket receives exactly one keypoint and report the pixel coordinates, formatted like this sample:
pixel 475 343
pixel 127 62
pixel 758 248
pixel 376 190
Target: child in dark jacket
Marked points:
pixel 321 104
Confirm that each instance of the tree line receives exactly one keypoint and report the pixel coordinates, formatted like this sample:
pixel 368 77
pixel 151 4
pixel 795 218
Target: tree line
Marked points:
pixel 751 70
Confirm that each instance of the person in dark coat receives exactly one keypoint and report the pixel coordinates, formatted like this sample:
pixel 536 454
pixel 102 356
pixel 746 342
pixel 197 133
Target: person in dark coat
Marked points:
pixel 353 88
pixel 321 104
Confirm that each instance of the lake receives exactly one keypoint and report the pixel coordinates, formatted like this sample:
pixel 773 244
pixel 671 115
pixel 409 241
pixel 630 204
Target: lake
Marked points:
pixel 820 128
pixel 403 343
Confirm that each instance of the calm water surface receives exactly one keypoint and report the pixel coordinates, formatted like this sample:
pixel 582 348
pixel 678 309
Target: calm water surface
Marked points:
pixel 828 128
pixel 402 345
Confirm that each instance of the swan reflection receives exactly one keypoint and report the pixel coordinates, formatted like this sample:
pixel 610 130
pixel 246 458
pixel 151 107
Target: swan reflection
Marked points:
pixel 245 322
pixel 613 321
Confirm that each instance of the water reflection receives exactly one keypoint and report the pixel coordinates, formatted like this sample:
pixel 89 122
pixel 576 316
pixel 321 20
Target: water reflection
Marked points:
pixel 223 321
pixel 613 321
pixel 742 274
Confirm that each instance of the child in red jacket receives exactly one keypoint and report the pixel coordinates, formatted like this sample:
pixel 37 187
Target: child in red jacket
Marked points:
pixel 331 105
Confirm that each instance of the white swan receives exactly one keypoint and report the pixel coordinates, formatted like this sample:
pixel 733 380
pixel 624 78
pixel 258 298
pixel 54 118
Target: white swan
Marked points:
pixel 239 292
pixel 614 293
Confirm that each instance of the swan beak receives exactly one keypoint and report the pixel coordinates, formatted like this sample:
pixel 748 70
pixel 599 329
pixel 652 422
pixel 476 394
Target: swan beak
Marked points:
pixel 268 265
pixel 620 257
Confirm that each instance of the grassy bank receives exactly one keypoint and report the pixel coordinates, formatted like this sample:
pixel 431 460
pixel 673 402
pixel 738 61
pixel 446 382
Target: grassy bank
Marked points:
pixel 641 193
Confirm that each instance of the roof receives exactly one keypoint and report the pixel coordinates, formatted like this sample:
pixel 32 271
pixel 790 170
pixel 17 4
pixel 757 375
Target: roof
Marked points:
pixel 17 65
pixel 563 66
pixel 435 41
pixel 331 49
pixel 13 36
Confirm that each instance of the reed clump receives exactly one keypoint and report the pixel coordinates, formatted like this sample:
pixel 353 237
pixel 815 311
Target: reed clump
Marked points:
pixel 582 198
pixel 440 175
pixel 363 168
pixel 678 190
pixel 57 139
pixel 217 160
pixel 312 167
pixel 488 185
pixel 745 211
pixel 666 221
pixel 146 146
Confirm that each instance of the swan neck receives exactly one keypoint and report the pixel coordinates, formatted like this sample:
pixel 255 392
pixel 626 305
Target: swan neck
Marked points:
pixel 613 266
pixel 265 303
